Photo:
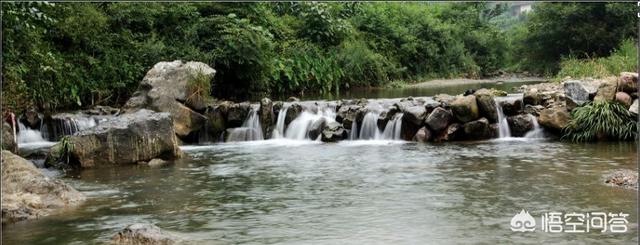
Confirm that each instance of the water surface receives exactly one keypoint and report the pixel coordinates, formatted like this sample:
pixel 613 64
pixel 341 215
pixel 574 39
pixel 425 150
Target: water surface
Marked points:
pixel 354 192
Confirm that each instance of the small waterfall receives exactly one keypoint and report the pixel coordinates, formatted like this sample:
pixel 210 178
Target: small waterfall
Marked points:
pixel 503 125
pixel 28 135
pixel 353 134
pixel 67 125
pixel 299 128
pixel 537 132
pixel 278 132
pixel 392 130
pixel 370 130
pixel 251 129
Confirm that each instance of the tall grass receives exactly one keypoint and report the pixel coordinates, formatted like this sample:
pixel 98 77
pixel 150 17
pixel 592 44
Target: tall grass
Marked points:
pixel 624 58
pixel 601 120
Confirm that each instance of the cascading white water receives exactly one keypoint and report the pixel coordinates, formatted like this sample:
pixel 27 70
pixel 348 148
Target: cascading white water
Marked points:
pixel 251 129
pixel 27 135
pixel 393 128
pixel 278 132
pixel 369 129
pixel 67 126
pixel 537 132
pixel 299 128
pixel 353 134
pixel 503 125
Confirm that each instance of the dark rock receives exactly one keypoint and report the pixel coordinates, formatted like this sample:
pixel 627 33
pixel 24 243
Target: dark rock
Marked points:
pixel 511 106
pixel 519 125
pixel 533 109
pixel 423 135
pixel 333 132
pixel 478 129
pixel 453 132
pixel 293 112
pixel 144 234
pixel 293 99
pixel 126 139
pixel 28 194
pixel 487 104
pixel 465 108
pixel 469 92
pixel 439 119
pixel 415 114
pixel 267 118
pixel 31 119
pixel 316 128
pixel 237 113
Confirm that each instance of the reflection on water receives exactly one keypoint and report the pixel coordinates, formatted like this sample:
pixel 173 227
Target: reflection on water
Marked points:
pixel 358 192
pixel 431 90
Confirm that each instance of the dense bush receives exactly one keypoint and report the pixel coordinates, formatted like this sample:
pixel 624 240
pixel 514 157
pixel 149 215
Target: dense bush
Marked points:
pixel 601 121
pixel 73 55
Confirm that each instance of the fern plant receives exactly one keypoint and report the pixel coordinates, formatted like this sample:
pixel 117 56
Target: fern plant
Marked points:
pixel 601 120
pixel 66 148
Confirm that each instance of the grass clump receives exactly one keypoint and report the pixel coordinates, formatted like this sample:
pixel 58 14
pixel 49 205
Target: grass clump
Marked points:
pixel 199 88
pixel 624 58
pixel 601 121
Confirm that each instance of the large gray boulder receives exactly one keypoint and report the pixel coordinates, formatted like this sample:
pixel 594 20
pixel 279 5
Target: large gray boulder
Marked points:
pixel 465 108
pixel 126 139
pixel 576 91
pixel 28 194
pixel 487 104
pixel 439 119
pixel 176 87
pixel 144 234
pixel 511 106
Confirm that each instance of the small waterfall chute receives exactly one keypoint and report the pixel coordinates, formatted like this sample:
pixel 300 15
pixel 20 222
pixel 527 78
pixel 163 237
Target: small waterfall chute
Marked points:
pixel 278 131
pixel 503 124
pixel 393 128
pixel 250 130
pixel 353 134
pixel 299 128
pixel 28 135
pixel 537 132
pixel 369 129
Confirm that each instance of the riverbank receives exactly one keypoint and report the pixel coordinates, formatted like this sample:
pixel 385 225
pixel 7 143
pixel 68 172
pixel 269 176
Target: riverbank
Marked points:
pixel 463 81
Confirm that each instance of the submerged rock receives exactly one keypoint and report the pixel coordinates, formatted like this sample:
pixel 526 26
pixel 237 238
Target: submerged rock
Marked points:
pixel 126 139
pixel 465 108
pixel 28 194
pixel 175 87
pixel 454 132
pixel 144 234
pixel 623 178
pixel 333 132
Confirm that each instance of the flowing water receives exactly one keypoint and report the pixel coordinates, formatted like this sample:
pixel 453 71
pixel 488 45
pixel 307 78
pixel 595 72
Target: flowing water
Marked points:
pixel 354 192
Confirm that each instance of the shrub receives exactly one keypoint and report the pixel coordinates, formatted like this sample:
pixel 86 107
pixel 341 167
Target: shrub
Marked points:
pixel 601 120
pixel 624 58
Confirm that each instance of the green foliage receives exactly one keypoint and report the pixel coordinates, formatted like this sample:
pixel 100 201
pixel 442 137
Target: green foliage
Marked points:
pixel 582 30
pixel 624 58
pixel 601 120
pixel 199 85
pixel 66 147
